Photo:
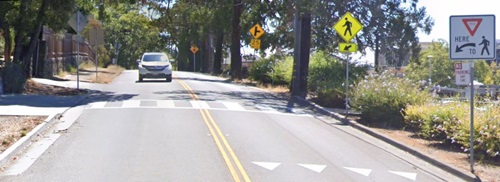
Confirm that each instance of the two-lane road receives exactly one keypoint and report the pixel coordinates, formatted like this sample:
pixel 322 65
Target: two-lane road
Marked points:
pixel 203 128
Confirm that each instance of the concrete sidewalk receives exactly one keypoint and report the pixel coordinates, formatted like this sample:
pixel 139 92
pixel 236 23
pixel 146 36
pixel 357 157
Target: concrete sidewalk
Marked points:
pixel 21 104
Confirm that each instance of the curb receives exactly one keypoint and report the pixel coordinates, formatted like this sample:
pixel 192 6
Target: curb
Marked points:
pixel 25 141
pixel 421 155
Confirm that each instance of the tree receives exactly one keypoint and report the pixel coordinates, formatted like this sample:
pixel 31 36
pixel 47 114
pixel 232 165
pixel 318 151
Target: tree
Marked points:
pixel 433 62
pixel 235 40
pixel 134 31
pixel 6 8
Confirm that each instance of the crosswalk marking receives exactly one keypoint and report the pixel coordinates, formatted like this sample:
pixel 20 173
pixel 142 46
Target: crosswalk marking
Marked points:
pixel 98 104
pixel 233 106
pixel 213 105
pixel 165 103
pixel 199 104
pixel 131 103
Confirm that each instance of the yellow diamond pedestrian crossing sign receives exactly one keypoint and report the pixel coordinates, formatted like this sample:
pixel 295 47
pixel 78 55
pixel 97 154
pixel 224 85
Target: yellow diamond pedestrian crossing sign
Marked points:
pixel 347 27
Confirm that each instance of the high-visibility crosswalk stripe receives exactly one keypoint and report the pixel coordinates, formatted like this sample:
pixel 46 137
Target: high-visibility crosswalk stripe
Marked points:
pixel 233 106
pixel 165 103
pixel 131 103
pixel 98 104
pixel 199 104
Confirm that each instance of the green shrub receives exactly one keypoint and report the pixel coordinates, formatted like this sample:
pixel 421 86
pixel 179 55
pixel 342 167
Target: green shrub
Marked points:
pixel 327 78
pixel 260 70
pixel 451 122
pixel 271 70
pixel 13 78
pixel 380 98
pixel 283 70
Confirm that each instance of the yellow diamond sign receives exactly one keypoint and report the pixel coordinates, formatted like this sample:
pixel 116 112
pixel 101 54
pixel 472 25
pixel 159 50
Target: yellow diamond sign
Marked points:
pixel 347 27
pixel 257 31
pixel 194 49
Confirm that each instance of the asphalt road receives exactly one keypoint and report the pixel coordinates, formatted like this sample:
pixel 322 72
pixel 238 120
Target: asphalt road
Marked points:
pixel 202 128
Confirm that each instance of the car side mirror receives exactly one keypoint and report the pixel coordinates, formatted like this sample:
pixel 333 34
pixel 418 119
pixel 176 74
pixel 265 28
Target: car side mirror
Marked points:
pixel 138 60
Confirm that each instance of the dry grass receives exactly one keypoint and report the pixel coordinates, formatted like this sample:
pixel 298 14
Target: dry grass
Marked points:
pixel 13 128
pixel 87 73
pixel 107 75
pixel 268 87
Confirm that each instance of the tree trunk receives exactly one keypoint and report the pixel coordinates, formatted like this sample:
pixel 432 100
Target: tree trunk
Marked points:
pixel 206 56
pixel 183 57
pixel 34 38
pixel 235 41
pixel 20 31
pixel 218 52
pixel 377 53
pixel 305 52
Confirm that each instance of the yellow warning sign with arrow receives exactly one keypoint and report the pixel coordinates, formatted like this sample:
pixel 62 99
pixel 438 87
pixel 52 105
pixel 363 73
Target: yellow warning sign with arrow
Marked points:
pixel 257 31
pixel 348 47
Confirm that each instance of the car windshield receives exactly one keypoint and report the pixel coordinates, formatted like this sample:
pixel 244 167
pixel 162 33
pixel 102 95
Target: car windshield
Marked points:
pixel 155 58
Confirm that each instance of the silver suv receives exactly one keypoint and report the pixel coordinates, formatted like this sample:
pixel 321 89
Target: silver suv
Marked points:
pixel 155 65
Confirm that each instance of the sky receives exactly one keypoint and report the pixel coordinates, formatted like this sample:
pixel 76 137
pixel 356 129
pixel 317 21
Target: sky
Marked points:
pixel 441 10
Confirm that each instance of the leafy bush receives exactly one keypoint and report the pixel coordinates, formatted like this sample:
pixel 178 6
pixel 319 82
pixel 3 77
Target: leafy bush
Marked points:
pixel 380 98
pixel 260 70
pixel 272 70
pixel 283 70
pixel 327 78
pixel 451 122
pixel 13 78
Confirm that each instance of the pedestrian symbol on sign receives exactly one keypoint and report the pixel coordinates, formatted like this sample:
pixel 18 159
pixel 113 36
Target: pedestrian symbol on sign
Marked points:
pixel 485 44
pixel 347 26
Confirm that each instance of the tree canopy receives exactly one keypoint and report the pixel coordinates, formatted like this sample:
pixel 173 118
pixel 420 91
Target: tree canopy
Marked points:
pixel 216 26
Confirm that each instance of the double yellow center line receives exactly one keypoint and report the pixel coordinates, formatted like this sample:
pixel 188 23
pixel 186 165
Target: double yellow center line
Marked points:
pixel 220 141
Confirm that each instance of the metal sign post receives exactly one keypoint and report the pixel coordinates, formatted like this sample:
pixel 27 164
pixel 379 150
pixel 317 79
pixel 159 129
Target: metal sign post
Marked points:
pixel 472 37
pixel 471 139
pixel 347 85
pixel 78 51
pixel 194 49
pixel 78 21
pixel 347 27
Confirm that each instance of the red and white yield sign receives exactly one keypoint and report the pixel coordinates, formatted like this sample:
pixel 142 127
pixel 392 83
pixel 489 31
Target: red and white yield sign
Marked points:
pixel 472 37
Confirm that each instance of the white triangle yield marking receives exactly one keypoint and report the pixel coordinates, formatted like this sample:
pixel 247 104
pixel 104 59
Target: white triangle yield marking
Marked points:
pixel 412 176
pixel 364 172
pixel 313 167
pixel 268 165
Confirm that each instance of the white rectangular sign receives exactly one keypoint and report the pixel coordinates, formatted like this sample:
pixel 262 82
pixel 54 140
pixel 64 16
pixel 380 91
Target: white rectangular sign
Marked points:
pixel 462 73
pixel 472 37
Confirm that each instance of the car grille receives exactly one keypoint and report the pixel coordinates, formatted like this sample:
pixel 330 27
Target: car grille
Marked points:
pixel 154 68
